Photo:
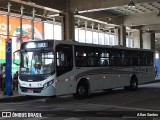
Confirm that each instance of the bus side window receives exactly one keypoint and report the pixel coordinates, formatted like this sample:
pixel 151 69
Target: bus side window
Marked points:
pixel 105 62
pixel 150 59
pixel 85 61
pixel 104 58
pixel 78 58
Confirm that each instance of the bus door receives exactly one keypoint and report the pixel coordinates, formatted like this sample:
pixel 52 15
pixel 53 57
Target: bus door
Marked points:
pixel 64 66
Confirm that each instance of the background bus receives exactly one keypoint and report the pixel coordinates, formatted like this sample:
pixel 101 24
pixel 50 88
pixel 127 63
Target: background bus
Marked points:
pixel 50 67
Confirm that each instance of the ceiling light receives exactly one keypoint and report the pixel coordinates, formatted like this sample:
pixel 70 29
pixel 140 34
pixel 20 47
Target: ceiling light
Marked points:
pixel 158 15
pixel 131 4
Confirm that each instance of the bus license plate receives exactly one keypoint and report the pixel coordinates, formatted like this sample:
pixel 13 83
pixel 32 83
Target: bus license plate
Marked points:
pixel 29 91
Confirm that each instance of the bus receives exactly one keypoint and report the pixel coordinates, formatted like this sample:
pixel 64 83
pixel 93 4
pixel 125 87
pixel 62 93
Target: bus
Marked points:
pixel 52 67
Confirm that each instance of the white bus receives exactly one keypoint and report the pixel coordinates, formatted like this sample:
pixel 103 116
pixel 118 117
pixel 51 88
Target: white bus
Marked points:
pixel 51 67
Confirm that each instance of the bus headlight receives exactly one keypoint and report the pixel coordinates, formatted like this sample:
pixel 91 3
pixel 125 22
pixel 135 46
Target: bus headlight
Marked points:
pixel 49 83
pixel 45 86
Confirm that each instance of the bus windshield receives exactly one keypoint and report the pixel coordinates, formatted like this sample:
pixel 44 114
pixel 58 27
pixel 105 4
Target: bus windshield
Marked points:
pixel 37 62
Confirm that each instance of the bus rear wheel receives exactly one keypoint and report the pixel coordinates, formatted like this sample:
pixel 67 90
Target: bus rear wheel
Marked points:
pixel 82 91
pixel 133 84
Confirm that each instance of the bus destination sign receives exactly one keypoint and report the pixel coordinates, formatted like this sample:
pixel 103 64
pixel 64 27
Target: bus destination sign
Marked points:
pixel 42 44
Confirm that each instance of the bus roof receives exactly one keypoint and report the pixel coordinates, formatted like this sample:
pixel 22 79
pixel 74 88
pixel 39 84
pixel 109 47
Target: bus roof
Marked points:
pixel 87 44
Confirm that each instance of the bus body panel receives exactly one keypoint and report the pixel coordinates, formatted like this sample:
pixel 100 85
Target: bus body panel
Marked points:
pixel 65 84
pixel 28 88
pixel 107 80
pixel 50 91
pixel 146 74
pixel 101 77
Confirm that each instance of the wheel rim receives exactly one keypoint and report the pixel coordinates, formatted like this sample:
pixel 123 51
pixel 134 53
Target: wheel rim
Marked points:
pixel 134 84
pixel 81 90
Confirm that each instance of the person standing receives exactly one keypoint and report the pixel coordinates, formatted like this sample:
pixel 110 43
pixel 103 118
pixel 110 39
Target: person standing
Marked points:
pixel 15 81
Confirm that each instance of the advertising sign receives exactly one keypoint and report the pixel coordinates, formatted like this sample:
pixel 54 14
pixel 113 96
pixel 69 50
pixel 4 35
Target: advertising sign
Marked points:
pixel 14 31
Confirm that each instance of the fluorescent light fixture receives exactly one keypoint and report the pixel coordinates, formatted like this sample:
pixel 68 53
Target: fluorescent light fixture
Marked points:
pixel 131 4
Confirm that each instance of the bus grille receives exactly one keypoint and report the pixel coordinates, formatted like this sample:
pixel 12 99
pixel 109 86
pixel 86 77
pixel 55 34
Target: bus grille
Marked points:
pixel 35 90
pixel 33 78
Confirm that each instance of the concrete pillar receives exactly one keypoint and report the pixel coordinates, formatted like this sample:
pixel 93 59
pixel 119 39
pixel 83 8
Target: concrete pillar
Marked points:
pixel 141 39
pixel 152 41
pixel 146 41
pixel 136 38
pixel 149 41
pixel 122 40
pixel 68 27
pixel 116 36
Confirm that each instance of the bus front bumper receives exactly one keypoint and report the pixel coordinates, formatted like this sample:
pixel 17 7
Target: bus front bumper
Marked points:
pixel 49 91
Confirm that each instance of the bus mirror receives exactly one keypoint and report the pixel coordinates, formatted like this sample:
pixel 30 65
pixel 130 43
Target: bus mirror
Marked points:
pixel 16 57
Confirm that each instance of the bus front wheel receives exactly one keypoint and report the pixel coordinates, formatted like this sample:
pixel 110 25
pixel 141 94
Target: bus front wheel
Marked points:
pixel 82 91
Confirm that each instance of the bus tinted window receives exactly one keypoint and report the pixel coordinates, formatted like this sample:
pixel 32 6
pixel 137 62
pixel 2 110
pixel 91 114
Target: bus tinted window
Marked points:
pixel 81 57
pixel 104 57
pixel 134 58
pixel 126 61
pixel 142 58
pixel 86 56
pixel 115 57
pixel 150 58
pixel 100 57
pixel 93 57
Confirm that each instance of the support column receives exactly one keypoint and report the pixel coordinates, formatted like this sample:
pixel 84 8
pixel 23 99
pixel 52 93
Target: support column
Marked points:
pixel 122 40
pixel 116 36
pixel 21 29
pixel 141 39
pixel 153 41
pixel 149 41
pixel 68 30
pixel 32 23
pixel 136 38
pixel 8 14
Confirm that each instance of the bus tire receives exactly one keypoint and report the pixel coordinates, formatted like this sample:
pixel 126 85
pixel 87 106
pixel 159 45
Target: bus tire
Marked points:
pixel 82 91
pixel 133 84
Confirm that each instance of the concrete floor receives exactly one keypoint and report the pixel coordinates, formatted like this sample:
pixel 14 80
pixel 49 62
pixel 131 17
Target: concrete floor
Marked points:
pixel 112 105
